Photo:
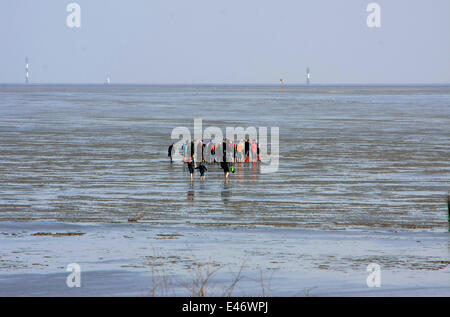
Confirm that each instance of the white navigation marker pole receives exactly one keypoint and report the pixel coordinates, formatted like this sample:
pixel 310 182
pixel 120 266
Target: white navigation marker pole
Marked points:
pixel 308 76
pixel 27 71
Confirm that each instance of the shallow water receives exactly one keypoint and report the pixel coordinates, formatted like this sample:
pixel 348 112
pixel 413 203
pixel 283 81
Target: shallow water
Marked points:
pixel 350 157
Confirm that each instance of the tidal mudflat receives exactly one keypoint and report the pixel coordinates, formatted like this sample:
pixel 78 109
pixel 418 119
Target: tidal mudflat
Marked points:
pixel 363 178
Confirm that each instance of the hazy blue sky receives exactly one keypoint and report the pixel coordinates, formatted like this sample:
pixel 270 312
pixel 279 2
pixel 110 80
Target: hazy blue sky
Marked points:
pixel 232 41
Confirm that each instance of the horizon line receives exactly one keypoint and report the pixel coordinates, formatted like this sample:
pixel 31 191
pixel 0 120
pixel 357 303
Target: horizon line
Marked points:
pixel 227 84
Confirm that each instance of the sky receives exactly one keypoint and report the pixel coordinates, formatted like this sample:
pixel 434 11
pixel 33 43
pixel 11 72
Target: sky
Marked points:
pixel 230 42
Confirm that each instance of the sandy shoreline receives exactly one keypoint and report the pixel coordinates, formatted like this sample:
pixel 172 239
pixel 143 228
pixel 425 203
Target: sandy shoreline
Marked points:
pixel 128 259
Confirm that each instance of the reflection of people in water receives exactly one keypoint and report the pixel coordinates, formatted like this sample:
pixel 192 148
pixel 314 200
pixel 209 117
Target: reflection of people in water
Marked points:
pixel 255 174
pixel 226 193
pixel 190 193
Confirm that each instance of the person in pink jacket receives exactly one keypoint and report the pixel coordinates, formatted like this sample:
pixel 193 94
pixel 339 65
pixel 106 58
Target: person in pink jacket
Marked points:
pixel 254 149
pixel 240 148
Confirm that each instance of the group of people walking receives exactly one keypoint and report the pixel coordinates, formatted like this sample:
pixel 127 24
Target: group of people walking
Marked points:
pixel 225 153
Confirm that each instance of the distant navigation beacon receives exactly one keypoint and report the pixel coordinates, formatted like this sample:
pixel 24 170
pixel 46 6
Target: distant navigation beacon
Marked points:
pixel 27 71
pixel 308 75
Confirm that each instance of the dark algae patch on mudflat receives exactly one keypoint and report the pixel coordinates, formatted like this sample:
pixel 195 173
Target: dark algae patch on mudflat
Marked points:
pixel 59 234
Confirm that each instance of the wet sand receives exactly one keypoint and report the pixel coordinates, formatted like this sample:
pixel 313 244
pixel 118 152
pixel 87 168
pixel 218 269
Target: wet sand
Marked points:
pixel 349 158
pixel 364 172
pixel 130 259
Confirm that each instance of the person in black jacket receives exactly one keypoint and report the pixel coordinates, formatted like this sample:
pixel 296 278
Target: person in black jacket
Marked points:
pixel 170 152
pixel 224 145
pixel 202 168
pixel 247 149
pixel 226 169
pixel 191 169
pixel 257 149
pixel 192 151
pixel 203 151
